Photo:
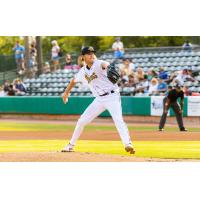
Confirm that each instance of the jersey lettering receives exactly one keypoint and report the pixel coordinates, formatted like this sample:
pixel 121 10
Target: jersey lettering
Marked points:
pixel 90 78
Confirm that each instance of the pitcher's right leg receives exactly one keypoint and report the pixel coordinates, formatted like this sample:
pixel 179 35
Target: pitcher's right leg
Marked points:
pixel 93 110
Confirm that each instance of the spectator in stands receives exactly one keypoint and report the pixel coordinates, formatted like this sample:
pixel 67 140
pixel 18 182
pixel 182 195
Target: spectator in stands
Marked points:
pixel 142 86
pixel 162 74
pixel 2 93
pixel 11 91
pixel 123 79
pixel 55 55
pixel 68 60
pixel 68 63
pixel 19 57
pixel 192 73
pixel 6 86
pixel 153 86
pixel 151 74
pixel 171 78
pixel 128 82
pixel 33 55
pixel 139 74
pixel 127 67
pixel 32 61
pixel 162 87
pixel 187 46
pixel 131 81
pixel 46 68
pixel 118 48
pixel 19 87
pixel 183 76
pixel 133 64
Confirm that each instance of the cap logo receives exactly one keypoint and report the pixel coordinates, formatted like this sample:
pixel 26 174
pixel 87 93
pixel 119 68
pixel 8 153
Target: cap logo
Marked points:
pixel 90 49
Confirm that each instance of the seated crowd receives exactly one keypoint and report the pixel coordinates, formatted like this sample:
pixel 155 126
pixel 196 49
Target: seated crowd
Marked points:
pixel 152 82
pixel 140 82
pixel 16 88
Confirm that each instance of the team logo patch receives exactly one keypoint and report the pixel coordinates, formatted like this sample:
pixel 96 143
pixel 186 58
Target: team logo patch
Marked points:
pixel 90 49
pixel 90 78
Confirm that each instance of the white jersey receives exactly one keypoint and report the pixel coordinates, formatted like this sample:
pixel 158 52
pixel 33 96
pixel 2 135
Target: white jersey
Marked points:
pixel 96 79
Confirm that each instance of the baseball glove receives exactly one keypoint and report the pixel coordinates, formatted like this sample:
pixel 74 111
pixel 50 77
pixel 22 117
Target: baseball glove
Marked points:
pixel 113 74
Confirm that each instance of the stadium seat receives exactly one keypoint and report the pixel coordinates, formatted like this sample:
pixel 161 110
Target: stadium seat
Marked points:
pixel 173 61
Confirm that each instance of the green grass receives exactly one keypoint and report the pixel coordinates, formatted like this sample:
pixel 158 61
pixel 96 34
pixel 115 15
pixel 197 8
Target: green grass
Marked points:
pixel 14 126
pixel 149 149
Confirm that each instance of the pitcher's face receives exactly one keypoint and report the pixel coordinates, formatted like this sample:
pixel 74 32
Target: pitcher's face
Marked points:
pixel 89 58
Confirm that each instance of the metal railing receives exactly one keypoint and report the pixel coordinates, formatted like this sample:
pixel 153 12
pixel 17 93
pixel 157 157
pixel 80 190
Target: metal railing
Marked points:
pixel 156 49
pixel 8 75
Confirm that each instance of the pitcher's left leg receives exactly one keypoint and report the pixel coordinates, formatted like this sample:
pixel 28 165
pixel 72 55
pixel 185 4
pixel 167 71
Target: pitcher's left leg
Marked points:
pixel 114 107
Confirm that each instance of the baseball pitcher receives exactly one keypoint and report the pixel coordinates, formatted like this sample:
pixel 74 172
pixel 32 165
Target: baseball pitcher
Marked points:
pixel 102 81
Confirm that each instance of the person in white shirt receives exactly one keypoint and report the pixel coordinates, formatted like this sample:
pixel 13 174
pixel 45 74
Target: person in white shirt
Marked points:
pixel 107 96
pixel 182 77
pixel 118 48
pixel 153 86
pixel 55 55
pixel 2 93
pixel 142 86
pixel 127 67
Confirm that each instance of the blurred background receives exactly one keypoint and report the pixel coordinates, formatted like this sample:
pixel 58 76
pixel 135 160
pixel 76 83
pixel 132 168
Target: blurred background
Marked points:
pixel 42 65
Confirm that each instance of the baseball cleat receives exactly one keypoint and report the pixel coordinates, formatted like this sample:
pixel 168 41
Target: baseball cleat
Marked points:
pixel 68 148
pixel 129 148
pixel 183 130
pixel 161 129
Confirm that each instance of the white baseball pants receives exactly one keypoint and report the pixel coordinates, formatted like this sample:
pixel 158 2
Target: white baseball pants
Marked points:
pixel 110 102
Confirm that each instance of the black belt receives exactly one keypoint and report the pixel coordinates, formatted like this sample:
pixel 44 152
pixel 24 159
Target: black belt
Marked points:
pixel 107 93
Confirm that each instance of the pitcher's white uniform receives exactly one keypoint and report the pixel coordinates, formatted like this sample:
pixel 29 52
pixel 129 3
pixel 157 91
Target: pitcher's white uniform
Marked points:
pixel 96 78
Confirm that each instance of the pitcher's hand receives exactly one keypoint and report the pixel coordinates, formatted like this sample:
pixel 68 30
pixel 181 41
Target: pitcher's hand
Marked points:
pixel 65 97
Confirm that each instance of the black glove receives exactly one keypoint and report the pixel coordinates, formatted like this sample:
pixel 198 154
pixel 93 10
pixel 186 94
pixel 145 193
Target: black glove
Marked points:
pixel 113 74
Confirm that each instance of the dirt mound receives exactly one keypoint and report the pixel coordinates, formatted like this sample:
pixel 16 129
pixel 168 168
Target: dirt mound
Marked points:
pixel 75 157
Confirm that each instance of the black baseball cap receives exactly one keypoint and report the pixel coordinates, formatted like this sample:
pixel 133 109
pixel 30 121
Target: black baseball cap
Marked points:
pixel 87 50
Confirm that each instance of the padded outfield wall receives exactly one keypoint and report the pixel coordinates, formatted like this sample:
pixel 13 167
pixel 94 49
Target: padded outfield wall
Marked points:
pixel 139 106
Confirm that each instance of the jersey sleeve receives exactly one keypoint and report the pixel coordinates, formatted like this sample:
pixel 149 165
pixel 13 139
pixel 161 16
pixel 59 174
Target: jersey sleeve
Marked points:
pixel 104 71
pixel 101 62
pixel 79 76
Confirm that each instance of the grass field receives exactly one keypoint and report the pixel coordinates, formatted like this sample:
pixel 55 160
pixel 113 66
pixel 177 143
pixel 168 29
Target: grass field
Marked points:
pixel 150 149
pixel 146 149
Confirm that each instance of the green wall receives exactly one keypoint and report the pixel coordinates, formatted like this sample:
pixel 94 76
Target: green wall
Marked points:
pixel 76 105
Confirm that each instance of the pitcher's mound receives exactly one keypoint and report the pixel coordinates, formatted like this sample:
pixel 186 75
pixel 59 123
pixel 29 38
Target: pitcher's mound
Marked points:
pixel 75 157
